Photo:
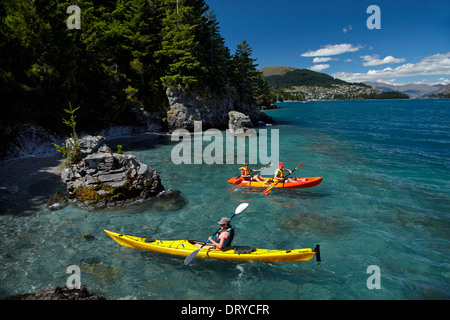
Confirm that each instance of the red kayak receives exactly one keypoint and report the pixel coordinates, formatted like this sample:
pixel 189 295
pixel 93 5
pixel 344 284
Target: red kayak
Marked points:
pixel 297 183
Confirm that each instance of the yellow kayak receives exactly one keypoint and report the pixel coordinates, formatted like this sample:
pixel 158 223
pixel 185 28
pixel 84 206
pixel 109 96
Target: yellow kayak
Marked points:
pixel 237 253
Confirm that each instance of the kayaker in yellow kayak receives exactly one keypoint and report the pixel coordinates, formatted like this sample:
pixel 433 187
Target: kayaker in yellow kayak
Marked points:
pixel 279 174
pixel 224 236
pixel 246 173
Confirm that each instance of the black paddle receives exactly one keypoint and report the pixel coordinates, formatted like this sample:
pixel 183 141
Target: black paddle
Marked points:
pixel 267 191
pixel 190 257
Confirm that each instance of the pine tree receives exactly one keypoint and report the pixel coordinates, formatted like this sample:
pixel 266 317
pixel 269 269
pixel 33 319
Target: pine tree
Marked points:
pixel 244 73
pixel 180 52
pixel 126 54
pixel 217 55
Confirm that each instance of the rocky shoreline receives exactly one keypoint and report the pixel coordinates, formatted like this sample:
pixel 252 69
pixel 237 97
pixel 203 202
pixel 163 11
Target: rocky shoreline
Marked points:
pixel 28 183
pixel 30 180
pixel 57 293
pixel 99 177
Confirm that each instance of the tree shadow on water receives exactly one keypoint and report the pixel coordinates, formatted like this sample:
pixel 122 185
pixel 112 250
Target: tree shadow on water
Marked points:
pixel 26 184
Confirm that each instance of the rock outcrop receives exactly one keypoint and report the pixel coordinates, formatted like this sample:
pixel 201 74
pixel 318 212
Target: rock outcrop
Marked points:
pixel 212 109
pixel 101 178
pixel 57 201
pixel 238 122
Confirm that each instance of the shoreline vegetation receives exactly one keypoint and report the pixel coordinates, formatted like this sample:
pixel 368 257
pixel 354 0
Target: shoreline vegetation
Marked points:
pixel 158 65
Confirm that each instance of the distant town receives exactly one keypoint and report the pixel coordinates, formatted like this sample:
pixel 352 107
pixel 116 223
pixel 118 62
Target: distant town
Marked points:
pixel 335 92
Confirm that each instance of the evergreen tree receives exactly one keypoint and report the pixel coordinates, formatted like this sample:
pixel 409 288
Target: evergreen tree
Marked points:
pixel 250 84
pixel 180 52
pixel 125 55
pixel 261 91
pixel 217 55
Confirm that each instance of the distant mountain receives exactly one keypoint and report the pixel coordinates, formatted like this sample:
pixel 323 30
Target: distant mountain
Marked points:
pixel 298 77
pixel 412 90
pixel 442 92
pixel 303 84
pixel 275 71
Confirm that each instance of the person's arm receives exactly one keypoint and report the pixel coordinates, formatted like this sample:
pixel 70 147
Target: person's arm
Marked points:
pixel 218 245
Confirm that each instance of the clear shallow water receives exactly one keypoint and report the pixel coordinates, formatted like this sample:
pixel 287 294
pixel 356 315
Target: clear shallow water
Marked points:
pixel 384 201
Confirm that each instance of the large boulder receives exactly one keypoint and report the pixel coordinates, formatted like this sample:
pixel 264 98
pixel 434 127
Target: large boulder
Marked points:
pixel 238 122
pixel 102 178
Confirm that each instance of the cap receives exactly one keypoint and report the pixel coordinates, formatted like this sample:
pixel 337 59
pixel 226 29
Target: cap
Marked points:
pixel 224 220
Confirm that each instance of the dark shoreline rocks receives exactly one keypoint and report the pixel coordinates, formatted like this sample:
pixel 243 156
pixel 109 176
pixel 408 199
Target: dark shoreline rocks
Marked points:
pixel 57 293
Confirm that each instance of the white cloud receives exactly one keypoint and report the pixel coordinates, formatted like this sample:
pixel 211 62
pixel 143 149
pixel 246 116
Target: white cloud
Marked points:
pixel 324 59
pixel 442 81
pixel 319 67
pixel 346 29
pixel 374 61
pixel 438 64
pixel 331 50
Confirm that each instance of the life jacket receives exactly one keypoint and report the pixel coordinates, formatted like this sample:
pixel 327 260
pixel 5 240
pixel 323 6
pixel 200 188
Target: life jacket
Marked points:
pixel 228 240
pixel 245 172
pixel 279 173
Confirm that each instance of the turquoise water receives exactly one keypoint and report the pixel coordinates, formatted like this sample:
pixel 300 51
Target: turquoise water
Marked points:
pixel 384 201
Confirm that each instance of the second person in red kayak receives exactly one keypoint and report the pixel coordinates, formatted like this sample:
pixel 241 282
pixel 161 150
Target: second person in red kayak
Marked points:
pixel 279 174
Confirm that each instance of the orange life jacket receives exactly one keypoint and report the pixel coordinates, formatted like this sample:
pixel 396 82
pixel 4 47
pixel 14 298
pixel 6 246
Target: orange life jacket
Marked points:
pixel 245 172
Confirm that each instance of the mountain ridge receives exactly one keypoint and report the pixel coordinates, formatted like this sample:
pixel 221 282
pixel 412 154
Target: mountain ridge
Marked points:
pixel 303 84
pixel 276 70
pixel 284 77
pixel 414 90
pixel 442 92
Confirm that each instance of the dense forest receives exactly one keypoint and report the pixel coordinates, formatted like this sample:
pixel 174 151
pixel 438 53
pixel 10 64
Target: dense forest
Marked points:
pixel 124 55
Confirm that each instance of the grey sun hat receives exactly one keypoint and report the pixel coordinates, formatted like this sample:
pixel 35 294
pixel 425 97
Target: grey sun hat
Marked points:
pixel 224 220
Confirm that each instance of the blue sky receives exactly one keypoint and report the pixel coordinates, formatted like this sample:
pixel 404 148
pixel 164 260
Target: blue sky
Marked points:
pixel 412 45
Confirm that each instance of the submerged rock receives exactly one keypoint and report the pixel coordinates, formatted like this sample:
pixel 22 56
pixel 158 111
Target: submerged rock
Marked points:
pixel 57 201
pixel 103 178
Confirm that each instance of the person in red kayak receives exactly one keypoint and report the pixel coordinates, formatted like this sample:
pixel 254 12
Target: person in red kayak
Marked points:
pixel 225 235
pixel 246 173
pixel 279 174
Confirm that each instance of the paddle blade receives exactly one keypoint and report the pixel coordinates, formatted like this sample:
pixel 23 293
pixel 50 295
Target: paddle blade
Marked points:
pixel 299 166
pixel 267 191
pixel 191 257
pixel 241 208
pixel 238 181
